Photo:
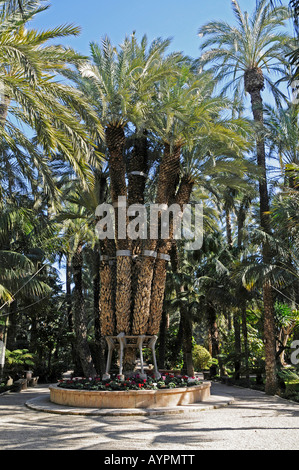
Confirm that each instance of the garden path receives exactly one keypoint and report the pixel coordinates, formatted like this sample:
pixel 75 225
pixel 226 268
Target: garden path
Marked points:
pixel 254 421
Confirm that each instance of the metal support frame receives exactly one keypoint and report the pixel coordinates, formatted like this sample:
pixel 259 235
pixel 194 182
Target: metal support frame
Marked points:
pixel 122 341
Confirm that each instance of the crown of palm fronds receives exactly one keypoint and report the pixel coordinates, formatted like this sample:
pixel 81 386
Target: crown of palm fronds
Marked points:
pixel 33 95
pixel 256 41
pixel 121 81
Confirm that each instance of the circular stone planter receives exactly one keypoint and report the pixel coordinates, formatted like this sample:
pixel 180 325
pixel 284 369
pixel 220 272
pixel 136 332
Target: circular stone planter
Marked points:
pixel 130 398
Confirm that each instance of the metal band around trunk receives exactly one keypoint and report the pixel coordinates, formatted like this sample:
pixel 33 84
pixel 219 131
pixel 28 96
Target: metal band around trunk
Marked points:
pixel 164 256
pixel 151 253
pixel 138 173
pixel 123 253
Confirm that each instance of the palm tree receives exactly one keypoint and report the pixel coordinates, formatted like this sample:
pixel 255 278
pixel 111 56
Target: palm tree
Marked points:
pixel 23 261
pixel 32 95
pixel 177 113
pixel 121 87
pixel 248 53
pixel 282 138
pixel 201 168
pixel 76 233
pixel 113 81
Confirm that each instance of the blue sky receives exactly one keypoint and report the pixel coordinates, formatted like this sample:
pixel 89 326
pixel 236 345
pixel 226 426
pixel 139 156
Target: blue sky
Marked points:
pixel 155 18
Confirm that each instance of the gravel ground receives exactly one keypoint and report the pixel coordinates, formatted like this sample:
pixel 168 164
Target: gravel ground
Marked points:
pixel 254 421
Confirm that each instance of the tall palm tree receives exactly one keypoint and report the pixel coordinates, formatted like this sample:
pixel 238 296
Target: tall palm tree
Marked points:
pixel 220 152
pixel 76 233
pixel 247 53
pixel 121 86
pixel 33 97
pixel 176 114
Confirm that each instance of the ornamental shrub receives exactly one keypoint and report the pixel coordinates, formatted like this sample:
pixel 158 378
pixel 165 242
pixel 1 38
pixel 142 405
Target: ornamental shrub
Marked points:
pixel 202 359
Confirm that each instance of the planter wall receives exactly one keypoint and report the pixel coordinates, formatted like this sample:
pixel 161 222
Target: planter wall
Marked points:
pixel 130 398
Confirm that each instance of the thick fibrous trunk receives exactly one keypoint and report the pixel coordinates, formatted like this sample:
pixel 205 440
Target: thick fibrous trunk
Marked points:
pixel 167 182
pixel 4 110
pixel 107 287
pixel 80 317
pixel 237 333
pixel 188 367
pixel 228 224
pixel 137 176
pixel 213 335
pixel 160 271
pixel 269 340
pixel 115 142
pixel 254 84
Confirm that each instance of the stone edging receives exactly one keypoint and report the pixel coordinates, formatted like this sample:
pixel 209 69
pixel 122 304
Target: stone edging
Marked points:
pixel 43 404
pixel 130 398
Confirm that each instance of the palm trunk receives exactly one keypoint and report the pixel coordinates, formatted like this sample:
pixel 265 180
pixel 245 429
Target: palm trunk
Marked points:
pixel 4 110
pixel 254 84
pixel 160 271
pixel 107 288
pixel 162 339
pixel 188 367
pixel 213 336
pixel 99 346
pixel 76 361
pixel 228 228
pixel 137 175
pixel 237 331
pixel 269 341
pixel 115 142
pixel 80 316
pixel 167 182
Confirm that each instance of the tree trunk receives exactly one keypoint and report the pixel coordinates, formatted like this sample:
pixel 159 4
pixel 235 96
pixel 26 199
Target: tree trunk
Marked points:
pixel 228 223
pixel 137 176
pixel 107 287
pixel 237 359
pixel 12 330
pixel 80 322
pixel 254 84
pixel 177 343
pixel 269 341
pixel 160 270
pixel 78 371
pixel 167 182
pixel 188 367
pixel 4 110
pixel 162 340
pixel 245 338
pixel 115 142
pixel 99 359
pixel 213 336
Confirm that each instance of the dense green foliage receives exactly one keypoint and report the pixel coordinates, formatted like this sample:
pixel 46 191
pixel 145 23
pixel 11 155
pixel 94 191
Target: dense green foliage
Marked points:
pixel 54 176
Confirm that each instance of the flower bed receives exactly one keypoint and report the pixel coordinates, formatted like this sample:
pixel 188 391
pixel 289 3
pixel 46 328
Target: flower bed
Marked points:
pixel 135 382
pixel 133 392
